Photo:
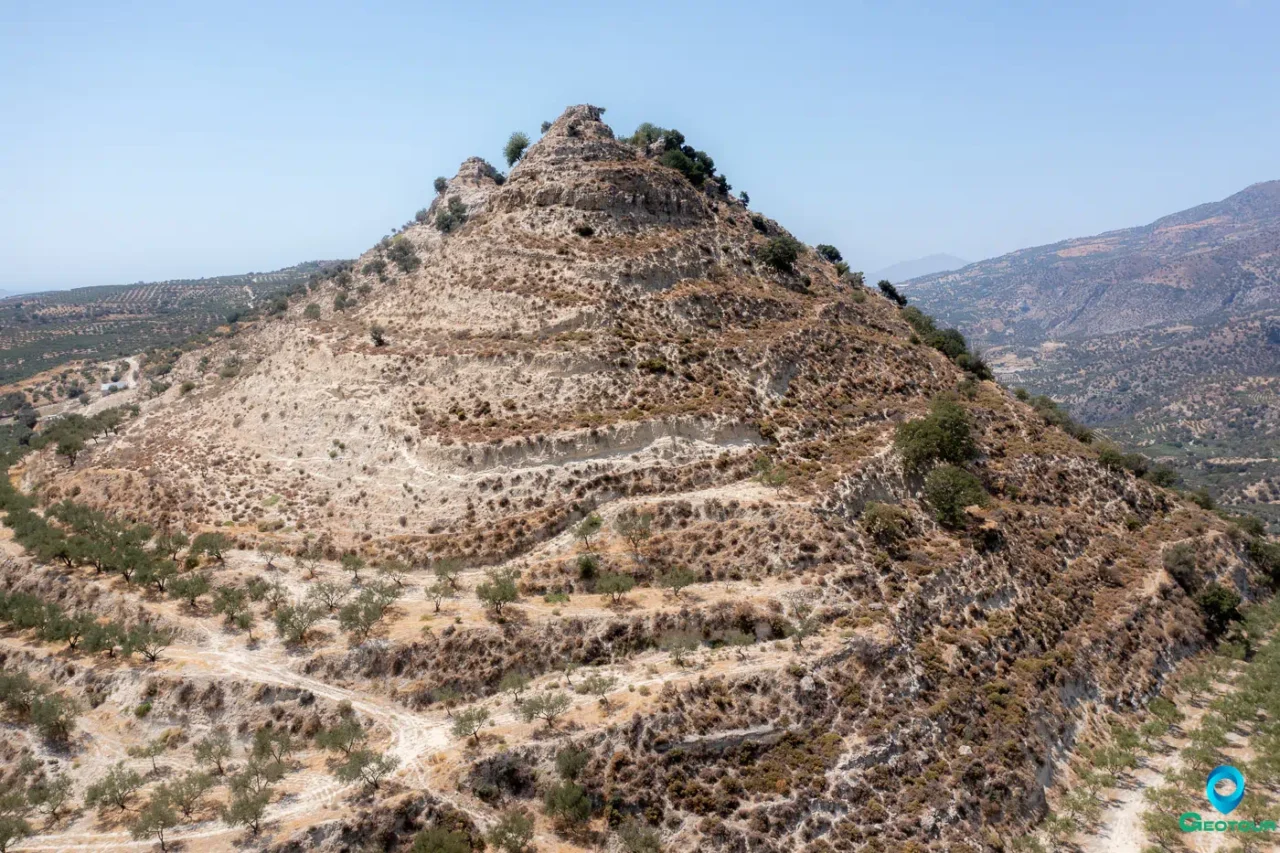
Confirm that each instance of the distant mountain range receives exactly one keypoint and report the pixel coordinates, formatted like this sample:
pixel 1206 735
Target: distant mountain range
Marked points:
pixel 907 270
pixel 1213 260
pixel 1166 335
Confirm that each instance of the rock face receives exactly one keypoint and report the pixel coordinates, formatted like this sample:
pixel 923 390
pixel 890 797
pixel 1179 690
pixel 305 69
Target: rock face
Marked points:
pixel 600 334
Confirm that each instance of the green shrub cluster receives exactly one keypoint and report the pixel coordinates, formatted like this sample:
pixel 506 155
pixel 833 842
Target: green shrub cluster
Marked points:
pixel 1054 414
pixel 403 255
pixel 950 342
pixel 28 701
pixel 944 435
pixel 452 217
pixel 781 252
pixel 697 166
pixel 949 490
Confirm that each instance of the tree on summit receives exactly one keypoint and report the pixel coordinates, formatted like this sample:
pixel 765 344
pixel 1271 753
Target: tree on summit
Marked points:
pixel 515 147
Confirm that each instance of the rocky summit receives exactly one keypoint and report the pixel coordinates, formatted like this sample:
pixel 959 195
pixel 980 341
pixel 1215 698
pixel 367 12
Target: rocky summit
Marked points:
pixel 899 601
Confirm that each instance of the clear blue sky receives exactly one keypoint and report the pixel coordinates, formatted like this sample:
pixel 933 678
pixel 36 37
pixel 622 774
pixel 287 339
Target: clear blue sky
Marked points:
pixel 144 141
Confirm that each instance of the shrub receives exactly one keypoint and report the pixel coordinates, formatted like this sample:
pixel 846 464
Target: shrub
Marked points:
pixel 515 147
pixel 949 490
pixel 1220 606
pixel 886 524
pixel 1180 563
pixel 568 803
pixel 378 334
pixel 781 252
pixel 615 586
pixel 441 185
pixel 513 831
pixel 546 125
pixel 636 837
pixel 452 217
pixel 402 253
pixel 311 312
pixel 584 230
pixel 887 288
pixel 1055 415
pixel 439 840
pixel 831 253
pixel 942 436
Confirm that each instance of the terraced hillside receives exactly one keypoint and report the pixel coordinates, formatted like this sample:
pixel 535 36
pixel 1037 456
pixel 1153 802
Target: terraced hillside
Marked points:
pixel 592 511
pixel 42 331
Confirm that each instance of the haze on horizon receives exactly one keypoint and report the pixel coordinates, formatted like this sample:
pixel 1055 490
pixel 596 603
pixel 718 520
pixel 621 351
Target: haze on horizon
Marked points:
pixel 152 144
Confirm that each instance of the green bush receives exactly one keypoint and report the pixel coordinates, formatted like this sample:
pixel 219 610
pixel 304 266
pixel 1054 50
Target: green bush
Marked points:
pixel 1220 607
pixel 944 435
pixel 515 147
pixel 441 185
pixel 891 292
pixel 452 217
pixel 311 312
pixel 886 524
pixel 781 252
pixel 831 253
pixel 402 253
pixel 949 490
pixel 1180 562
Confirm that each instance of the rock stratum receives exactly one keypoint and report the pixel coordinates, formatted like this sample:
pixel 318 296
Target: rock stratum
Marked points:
pixel 597 334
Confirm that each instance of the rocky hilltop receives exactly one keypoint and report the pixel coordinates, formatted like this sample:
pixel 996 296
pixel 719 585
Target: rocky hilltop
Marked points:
pixel 910 597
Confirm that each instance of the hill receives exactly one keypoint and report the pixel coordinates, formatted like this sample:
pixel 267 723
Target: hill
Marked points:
pixel 907 270
pixel 42 331
pixel 1166 336
pixel 594 508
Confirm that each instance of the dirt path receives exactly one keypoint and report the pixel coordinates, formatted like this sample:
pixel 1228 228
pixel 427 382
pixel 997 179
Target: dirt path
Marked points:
pixel 416 737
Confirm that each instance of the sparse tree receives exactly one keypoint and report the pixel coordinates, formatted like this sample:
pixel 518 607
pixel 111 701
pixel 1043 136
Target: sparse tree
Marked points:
pixel 600 686
pixel 499 590
pixel 330 595
pixel 344 736
pixel 587 528
pixel 214 750
pixel 367 766
pixel 548 706
pixel 677 579
pixel 13 828
pixel 512 832
pixel 50 794
pixel 151 750
pixel 189 588
pixel 294 621
pixel 514 683
pixel 446 571
pixel 115 790
pixel 615 586
pixel 247 808
pixel 186 792
pixel 438 592
pixel 738 640
pixel 272 745
pixel 469 722
pixel 680 644
pixel 150 640
pixel 353 563
pixel 215 545
pixel 635 528
pixel 156 818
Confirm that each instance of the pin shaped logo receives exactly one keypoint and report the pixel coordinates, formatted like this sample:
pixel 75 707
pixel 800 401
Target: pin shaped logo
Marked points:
pixel 1225 803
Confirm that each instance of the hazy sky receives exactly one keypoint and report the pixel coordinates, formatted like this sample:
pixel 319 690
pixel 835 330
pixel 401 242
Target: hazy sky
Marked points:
pixel 164 140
